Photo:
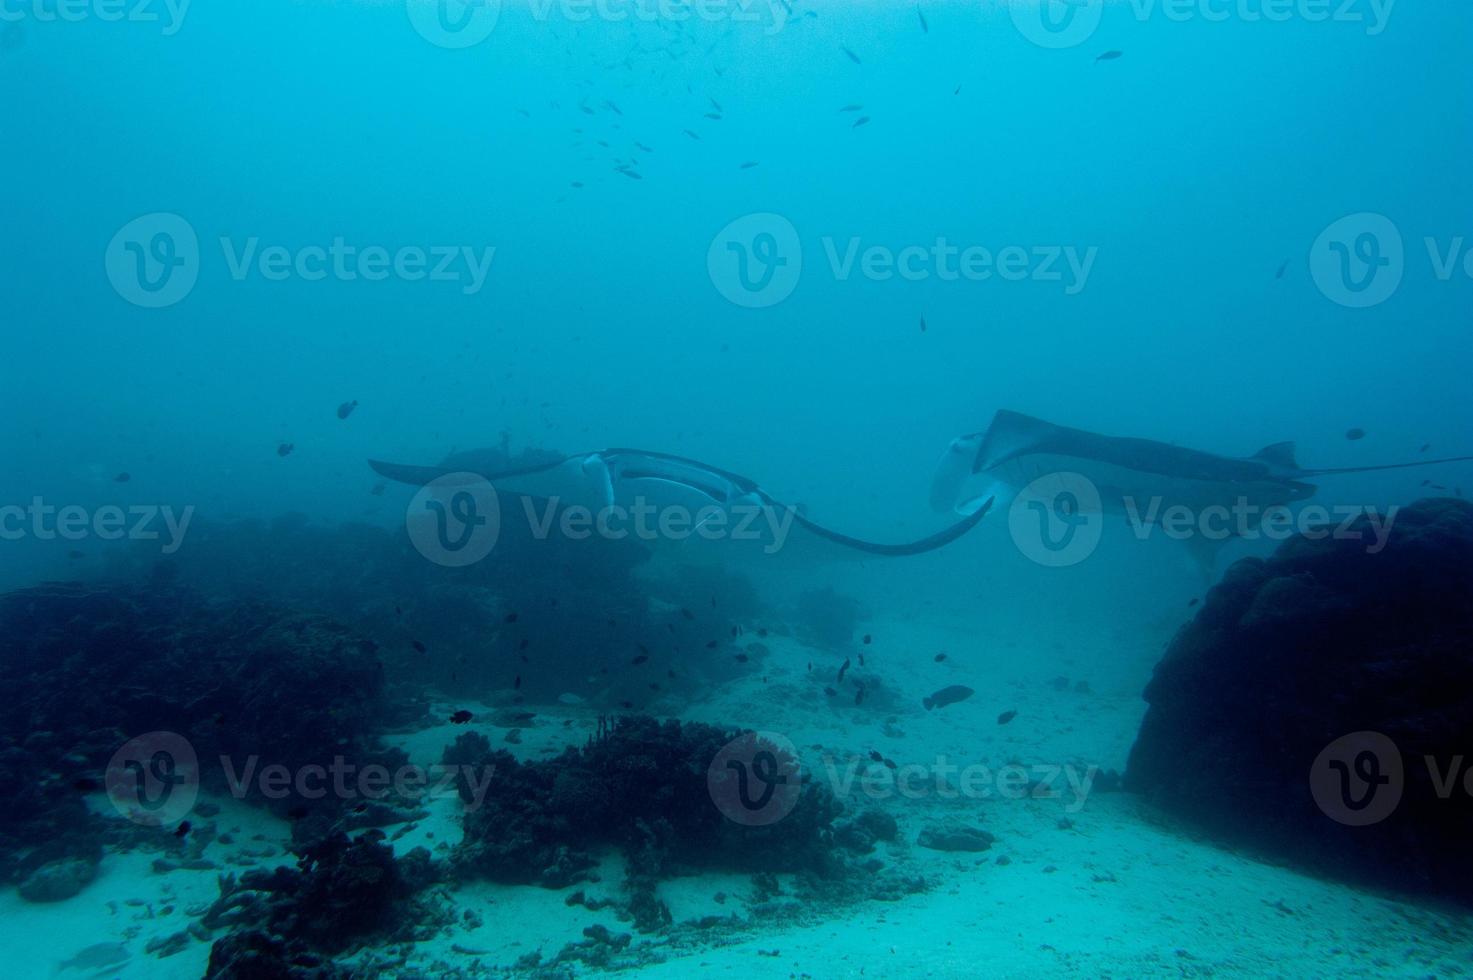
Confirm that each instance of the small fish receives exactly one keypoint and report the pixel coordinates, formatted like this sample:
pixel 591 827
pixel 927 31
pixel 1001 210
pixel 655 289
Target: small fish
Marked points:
pixel 875 756
pixel 867 639
pixel 762 631
pixel 940 657
pixel 1193 603
pixel 947 695
pixel 516 685
pixel 643 148
pixel 1110 56
pixel 1006 717
pixel 687 613
pixel 714 115
pixel 1282 269
pixel 850 54
pixel 285 449
pixel 378 490
pixel 631 174
pixel 859 695
pixel 626 705
pixel 861 660
pixel 523 645
pixel 1425 446
pixel 694 136
pixel 923 324
pixel 510 618
pixel 862 120
pixel 851 107
pixel 957 90
pixel 641 659
pixel 714 104
pixel 748 165
pixel 843 669
pixel 346 409
pixel 1355 434
pixel 577 183
pixel 183 829
pixel 461 717
pixel 608 103
pixel 742 658
pixel 418 646
pixel 122 478
pixel 830 691
pixel 712 645
pixel 925 28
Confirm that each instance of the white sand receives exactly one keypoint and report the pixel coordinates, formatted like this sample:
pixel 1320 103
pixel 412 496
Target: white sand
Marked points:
pixel 1115 892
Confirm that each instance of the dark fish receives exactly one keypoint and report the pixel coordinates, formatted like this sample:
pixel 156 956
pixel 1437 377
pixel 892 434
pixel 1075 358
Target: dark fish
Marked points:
pixel 711 646
pixel 762 631
pixel 654 686
pixel 510 618
pixel 516 685
pixel 1006 717
pixel 609 103
pixel 861 660
pixel 830 691
pixel 925 28
pixel 923 324
pixel 182 830
pixel 461 717
pixel 1193 603
pixel 643 148
pixel 867 639
pixel 859 695
pixel 418 646
pixel 948 695
pixel 843 669
pixel 631 174
pixel 1425 446
pixel 851 107
pixel 285 449
pixel 1110 56
pixel 523 645
pixel 957 90
pixel 716 105
pixel 714 115
pixel 940 657
pixel 735 631
pixel 297 812
pixel 626 705
pixel 742 658
pixel 851 55
pixel 1282 269
pixel 122 478
pixel 346 409
pixel 687 614
pixel 749 165
pixel 639 660
pixel 378 489
pixel 694 136
pixel 860 122
pixel 1354 434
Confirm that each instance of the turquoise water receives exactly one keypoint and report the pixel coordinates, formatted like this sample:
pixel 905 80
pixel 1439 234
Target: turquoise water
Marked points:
pixel 809 244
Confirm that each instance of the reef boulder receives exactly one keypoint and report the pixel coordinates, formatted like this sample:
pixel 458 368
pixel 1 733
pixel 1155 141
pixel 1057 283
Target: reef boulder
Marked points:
pixel 1319 708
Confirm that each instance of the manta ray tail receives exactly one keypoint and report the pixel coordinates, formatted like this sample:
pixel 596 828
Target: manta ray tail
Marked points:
pixel 1384 466
pixel 940 539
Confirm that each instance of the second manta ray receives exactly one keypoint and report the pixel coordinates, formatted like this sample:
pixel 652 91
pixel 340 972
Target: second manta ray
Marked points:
pixel 1139 477
pixel 707 503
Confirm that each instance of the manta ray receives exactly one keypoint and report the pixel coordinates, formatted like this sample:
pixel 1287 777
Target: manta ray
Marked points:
pixel 1128 474
pixel 700 501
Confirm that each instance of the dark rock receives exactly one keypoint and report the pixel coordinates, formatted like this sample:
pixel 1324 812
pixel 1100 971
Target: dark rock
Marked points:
pixel 955 837
pixel 1290 654
pixel 58 880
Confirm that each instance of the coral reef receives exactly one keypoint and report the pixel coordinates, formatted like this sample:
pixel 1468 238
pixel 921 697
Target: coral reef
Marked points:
pixel 640 786
pixel 1251 707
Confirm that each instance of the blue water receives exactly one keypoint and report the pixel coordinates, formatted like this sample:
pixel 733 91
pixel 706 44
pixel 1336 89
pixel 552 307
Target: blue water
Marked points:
pixel 1194 173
